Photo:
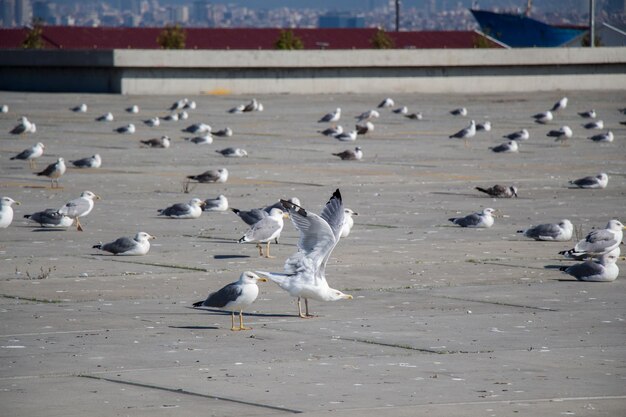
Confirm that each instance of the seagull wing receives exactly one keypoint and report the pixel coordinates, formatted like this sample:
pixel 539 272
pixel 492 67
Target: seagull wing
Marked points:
pixel 120 245
pixel 597 240
pixel 75 207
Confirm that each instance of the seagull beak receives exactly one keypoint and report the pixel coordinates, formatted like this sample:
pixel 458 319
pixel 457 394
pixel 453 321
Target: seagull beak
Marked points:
pixel 18 203
pixel 347 297
pixel 355 213
pixel 285 215
pixel 98 197
pixel 152 237
pixel 262 279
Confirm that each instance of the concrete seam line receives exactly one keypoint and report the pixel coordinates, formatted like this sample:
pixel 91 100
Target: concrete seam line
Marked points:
pixel 191 393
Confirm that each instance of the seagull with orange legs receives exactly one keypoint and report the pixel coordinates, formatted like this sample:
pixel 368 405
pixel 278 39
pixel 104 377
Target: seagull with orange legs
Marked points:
pixel 265 230
pixel 79 207
pixel 54 172
pixel 235 296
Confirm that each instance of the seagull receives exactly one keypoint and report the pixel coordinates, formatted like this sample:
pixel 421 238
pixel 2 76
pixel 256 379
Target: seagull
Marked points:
pixel 24 126
pixel 265 230
pixel 589 114
pixel 485 127
pixel 30 154
pixel 162 142
pixel 414 116
pixel 107 117
pixel 253 105
pixel 93 161
pixel 602 270
pixel 603 137
pixel 133 109
pixel 331 117
pixel 350 155
pixel 305 270
pixel 129 129
pixel 216 204
pixel 365 128
pixel 183 115
pixel 598 242
pixel 558 232
pixel 499 191
pixel 347 136
pixel 198 128
pixel 562 134
pixel 139 245
pixel 466 133
pixel 237 109
pixel 235 297
pixel 332 131
pixel 54 172
pixel 212 175
pixel 153 121
pixel 191 210
pixel 6 211
pixel 50 218
pixel 190 105
pixel 79 207
pixel 543 118
pixel 4 108
pixel 179 104
pixel 479 219
pixel 519 135
pixel 82 108
pixel 386 103
pixel 173 117
pixel 508 147
pixel 368 115
pixel 597 181
pixel 250 217
pixel 401 110
pixel 207 139
pixel 226 132
pixel 560 105
pixel 233 152
pixel 597 124
pixel 461 111
pixel 348 222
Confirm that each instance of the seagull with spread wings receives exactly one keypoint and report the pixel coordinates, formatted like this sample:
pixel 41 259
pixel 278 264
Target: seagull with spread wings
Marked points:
pixel 305 270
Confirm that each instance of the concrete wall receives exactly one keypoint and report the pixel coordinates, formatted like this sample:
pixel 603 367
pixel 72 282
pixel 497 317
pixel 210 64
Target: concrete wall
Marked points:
pixel 307 72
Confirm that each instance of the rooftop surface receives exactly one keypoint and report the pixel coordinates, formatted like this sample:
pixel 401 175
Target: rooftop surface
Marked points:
pixel 445 321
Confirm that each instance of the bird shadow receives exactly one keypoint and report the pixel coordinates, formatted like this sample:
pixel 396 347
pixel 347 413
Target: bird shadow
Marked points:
pixel 47 229
pixel 552 266
pixel 194 327
pixel 227 313
pixel 230 256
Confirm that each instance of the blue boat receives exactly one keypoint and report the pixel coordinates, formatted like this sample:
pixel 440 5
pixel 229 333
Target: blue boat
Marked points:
pixel 520 31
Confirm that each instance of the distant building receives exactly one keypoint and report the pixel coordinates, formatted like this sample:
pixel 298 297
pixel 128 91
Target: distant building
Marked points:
pixel 23 12
pixel 616 6
pixel 340 20
pixel 45 11
pixel 7 10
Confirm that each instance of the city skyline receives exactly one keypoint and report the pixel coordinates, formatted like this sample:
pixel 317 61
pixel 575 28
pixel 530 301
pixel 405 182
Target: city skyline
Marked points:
pixel 414 14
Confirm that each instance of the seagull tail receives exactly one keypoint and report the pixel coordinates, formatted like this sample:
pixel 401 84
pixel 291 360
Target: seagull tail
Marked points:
pixel 482 190
pixel 452 219
pixel 274 276
pixel 521 231
pixel 571 253
pixel 98 246
pixel 563 268
pixel 234 210
pixel 243 239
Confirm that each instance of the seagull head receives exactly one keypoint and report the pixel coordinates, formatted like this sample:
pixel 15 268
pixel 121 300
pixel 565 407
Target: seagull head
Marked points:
pixel 335 295
pixel 615 225
pixel 143 236
pixel 89 195
pixel 8 201
pixel 249 277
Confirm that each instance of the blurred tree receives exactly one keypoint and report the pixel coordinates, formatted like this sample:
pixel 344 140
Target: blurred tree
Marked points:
pixel 34 36
pixel 287 40
pixel 381 40
pixel 172 37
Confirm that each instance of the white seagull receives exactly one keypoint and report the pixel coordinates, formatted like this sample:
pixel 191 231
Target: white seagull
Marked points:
pixel 81 108
pixel 603 137
pixel 519 135
pixel 213 175
pixel 589 114
pixel 129 129
pixel 558 232
pixel 597 181
pixel 235 296
pixel 598 242
pixel 6 211
pixel 499 191
pixel 347 136
pixel 265 230
pixel 543 117
pixel 348 221
pixel 79 207
pixel 232 152
pixel 107 117
pixel 602 270
pixel 30 154
pixel 133 109
pixel 386 103
pixel 305 270
pixel 331 117
pixel 191 210
pixel 332 131
pixel 508 147
pixel 362 129
pixel 401 110
pixel 24 126
pixel 139 245
pixel 94 161
pixel 216 204
pixel 597 124
pixel 479 219
pixel 153 121
pixel 224 133
pixel 560 105
pixel 50 218
pixel 162 142
pixel 461 111
pixel 198 128
pixel 368 115
pixel 54 171
pixel 561 135
pixel 484 127
pixel 207 139
pixel 465 133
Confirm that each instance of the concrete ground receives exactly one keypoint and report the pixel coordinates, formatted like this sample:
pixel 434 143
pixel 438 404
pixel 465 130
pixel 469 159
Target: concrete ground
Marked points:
pixel 445 321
